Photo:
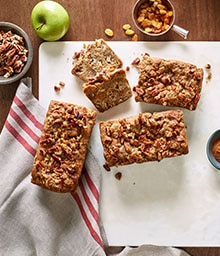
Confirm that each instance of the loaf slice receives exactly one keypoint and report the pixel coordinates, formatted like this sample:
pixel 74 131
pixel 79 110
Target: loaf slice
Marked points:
pixel 107 90
pixel 144 137
pixel 93 59
pixel 62 147
pixel 168 82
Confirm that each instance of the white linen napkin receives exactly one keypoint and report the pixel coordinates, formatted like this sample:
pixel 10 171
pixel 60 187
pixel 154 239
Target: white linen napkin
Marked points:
pixel 34 221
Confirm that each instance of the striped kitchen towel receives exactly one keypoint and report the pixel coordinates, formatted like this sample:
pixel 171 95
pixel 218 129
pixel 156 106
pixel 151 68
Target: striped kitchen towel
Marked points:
pixel 35 221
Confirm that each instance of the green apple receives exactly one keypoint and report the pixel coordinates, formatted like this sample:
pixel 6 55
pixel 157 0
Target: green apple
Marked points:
pixel 49 20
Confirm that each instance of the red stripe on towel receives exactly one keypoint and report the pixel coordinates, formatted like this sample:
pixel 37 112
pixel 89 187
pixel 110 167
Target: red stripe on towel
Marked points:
pixel 91 184
pixel 88 201
pixel 30 116
pixel 23 125
pixel 20 139
pixel 87 221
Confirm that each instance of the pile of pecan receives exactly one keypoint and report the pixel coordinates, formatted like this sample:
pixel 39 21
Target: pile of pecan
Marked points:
pixel 13 53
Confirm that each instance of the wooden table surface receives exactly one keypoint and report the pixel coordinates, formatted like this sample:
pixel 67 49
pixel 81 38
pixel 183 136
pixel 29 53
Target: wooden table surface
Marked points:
pixel 88 20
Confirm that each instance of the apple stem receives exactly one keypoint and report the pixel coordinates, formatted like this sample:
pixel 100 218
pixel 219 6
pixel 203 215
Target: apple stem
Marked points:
pixel 40 26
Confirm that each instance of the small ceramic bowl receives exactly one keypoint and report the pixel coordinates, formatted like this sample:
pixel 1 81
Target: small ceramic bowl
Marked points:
pixel 7 26
pixel 212 139
pixel 180 31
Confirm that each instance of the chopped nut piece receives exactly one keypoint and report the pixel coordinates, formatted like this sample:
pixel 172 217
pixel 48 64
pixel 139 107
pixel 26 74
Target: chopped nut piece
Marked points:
pixel 208 77
pixel 127 68
pixel 208 66
pixel 56 88
pixel 61 83
pixel 136 61
pixel 209 73
pixel 107 168
pixel 118 175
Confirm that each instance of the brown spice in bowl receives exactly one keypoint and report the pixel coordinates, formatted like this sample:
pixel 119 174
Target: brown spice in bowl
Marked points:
pixel 216 150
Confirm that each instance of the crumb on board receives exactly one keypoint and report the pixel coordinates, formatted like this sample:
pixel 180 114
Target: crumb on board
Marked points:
pixel 61 83
pixel 209 73
pixel 118 175
pixel 58 87
pixel 107 168
pixel 127 68
pixel 209 77
pixel 208 66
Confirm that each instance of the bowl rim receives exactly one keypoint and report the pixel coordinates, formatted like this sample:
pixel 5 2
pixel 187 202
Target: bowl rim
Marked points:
pixel 212 138
pixel 7 26
pixel 136 6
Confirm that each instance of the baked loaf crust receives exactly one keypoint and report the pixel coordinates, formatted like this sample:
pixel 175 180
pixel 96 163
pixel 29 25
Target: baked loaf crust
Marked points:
pixel 168 82
pixel 93 59
pixel 107 90
pixel 62 147
pixel 144 137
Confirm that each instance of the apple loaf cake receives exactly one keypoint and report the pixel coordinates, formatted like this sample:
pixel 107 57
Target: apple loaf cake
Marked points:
pixel 62 147
pixel 107 90
pixel 93 59
pixel 168 82
pixel 144 137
